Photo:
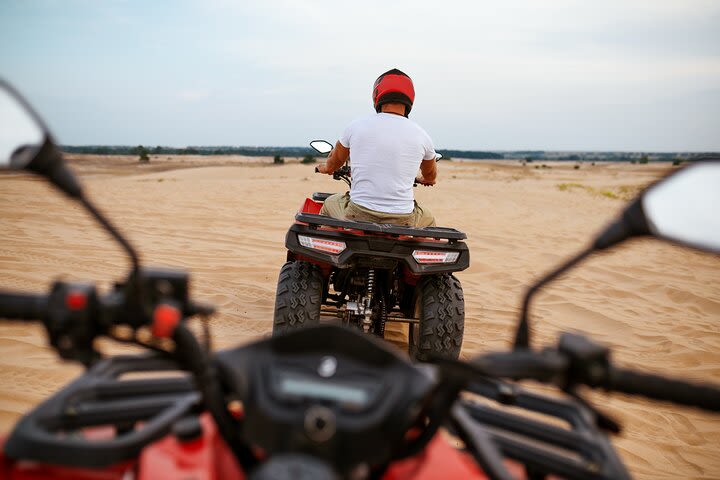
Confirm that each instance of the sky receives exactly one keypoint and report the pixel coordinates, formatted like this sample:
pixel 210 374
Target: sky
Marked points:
pixel 640 75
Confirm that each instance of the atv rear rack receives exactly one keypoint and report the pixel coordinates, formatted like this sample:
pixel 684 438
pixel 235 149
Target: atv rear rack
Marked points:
pixel 438 233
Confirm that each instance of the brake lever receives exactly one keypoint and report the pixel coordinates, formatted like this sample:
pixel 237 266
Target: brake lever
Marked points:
pixel 602 420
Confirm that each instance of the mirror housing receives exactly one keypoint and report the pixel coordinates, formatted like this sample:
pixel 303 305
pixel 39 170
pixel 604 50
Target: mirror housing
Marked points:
pixel 681 208
pixel 21 134
pixel 321 146
pixel 26 143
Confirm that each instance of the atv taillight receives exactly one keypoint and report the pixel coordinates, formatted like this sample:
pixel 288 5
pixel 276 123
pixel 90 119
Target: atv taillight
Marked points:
pixel 321 244
pixel 434 256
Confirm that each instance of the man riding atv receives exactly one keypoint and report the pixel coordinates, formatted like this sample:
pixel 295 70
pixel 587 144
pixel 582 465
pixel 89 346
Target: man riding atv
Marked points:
pixel 387 150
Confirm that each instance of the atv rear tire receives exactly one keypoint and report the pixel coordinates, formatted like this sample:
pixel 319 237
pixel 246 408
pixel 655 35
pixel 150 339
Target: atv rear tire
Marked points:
pixel 440 308
pixel 298 297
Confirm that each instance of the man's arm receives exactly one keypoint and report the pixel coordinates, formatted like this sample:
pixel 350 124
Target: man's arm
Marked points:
pixel 428 172
pixel 335 160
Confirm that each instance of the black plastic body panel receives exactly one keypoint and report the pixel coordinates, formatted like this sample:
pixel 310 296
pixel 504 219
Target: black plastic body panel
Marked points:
pixel 438 233
pixel 359 248
pixel 320 196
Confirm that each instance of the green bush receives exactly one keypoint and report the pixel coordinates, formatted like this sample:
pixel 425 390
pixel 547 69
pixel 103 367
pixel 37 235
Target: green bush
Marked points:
pixel 278 160
pixel 308 159
pixel 142 154
pixel 644 159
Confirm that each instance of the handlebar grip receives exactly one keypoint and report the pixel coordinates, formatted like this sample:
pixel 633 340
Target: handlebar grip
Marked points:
pixel 317 170
pixel 23 306
pixel 706 397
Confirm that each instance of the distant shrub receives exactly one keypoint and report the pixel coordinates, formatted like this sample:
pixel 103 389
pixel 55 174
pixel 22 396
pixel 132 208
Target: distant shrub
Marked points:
pixel 644 159
pixel 609 194
pixel 142 154
pixel 308 159
pixel 278 160
pixel 677 161
pixel 576 167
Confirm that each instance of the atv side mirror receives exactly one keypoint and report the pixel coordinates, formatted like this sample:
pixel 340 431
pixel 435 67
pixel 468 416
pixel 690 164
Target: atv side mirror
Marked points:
pixel 21 136
pixel 682 208
pixel 321 146
pixel 438 157
pixel 26 143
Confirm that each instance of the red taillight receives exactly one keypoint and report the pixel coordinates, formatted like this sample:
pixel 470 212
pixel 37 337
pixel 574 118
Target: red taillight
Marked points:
pixel 321 244
pixel 434 256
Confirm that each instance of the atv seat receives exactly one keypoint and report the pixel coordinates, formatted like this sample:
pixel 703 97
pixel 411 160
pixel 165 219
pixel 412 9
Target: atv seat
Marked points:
pixel 320 197
pixel 438 233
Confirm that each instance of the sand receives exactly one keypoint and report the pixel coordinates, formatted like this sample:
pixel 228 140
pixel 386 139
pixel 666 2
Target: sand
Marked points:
pixel 656 304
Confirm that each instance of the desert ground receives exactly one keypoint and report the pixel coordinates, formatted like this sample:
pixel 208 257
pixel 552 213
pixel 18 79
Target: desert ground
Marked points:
pixel 224 219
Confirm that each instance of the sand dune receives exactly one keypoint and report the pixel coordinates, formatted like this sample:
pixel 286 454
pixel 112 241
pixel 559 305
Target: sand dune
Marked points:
pixel 656 303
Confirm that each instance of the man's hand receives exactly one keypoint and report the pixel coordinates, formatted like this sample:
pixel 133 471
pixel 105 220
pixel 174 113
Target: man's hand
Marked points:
pixel 336 159
pixel 428 173
pixel 323 169
pixel 419 179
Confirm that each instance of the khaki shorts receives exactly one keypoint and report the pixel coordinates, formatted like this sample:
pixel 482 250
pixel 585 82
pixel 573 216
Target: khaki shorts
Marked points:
pixel 341 207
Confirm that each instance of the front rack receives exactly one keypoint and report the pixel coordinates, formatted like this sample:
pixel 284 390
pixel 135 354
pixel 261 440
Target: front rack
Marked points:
pixel 134 412
pixel 578 451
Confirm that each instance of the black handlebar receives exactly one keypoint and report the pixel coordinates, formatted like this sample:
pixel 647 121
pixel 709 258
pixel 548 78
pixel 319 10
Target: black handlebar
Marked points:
pixel 580 361
pixel 23 306
pixel 706 397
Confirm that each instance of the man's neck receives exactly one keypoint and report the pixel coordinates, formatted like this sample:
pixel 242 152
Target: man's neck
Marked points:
pixel 394 108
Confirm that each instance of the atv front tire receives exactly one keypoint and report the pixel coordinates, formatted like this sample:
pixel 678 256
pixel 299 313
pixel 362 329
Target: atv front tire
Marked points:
pixel 298 297
pixel 440 308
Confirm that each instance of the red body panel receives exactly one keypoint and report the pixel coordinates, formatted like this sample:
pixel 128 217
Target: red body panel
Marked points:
pixel 205 458
pixel 311 206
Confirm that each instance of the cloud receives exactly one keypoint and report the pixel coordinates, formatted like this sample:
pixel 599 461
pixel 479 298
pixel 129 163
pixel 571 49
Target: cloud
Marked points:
pixel 192 95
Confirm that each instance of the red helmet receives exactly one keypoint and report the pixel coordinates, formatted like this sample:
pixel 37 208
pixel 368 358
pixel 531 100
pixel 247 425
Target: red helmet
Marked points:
pixel 393 86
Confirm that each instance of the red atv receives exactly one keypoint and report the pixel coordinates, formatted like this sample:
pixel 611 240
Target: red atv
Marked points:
pixel 326 402
pixel 368 274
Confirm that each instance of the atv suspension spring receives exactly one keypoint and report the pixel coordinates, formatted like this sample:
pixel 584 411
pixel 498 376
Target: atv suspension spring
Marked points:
pixel 370 282
pixel 367 321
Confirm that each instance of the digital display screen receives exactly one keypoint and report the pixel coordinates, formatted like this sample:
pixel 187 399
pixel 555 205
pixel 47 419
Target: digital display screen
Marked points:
pixel 324 390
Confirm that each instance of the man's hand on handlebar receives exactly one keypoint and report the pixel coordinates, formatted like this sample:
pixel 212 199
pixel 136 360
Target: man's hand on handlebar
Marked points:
pixel 419 179
pixel 323 169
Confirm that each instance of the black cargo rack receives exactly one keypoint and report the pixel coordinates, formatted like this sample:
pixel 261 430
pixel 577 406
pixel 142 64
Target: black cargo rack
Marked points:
pixel 439 233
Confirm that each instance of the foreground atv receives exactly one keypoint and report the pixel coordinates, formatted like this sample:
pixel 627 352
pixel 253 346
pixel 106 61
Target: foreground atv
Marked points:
pixel 368 274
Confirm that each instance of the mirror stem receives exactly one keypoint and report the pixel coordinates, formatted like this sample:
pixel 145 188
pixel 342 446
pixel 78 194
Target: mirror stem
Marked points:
pixel 113 231
pixel 522 335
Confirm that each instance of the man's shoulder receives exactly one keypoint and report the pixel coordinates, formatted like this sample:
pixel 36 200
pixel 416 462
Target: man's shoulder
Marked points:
pixel 419 129
pixel 364 119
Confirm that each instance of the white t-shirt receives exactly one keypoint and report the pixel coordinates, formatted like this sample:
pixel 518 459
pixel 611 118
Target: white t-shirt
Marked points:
pixel 385 155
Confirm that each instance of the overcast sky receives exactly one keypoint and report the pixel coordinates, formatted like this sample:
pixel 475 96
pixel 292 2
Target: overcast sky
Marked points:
pixel 555 75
